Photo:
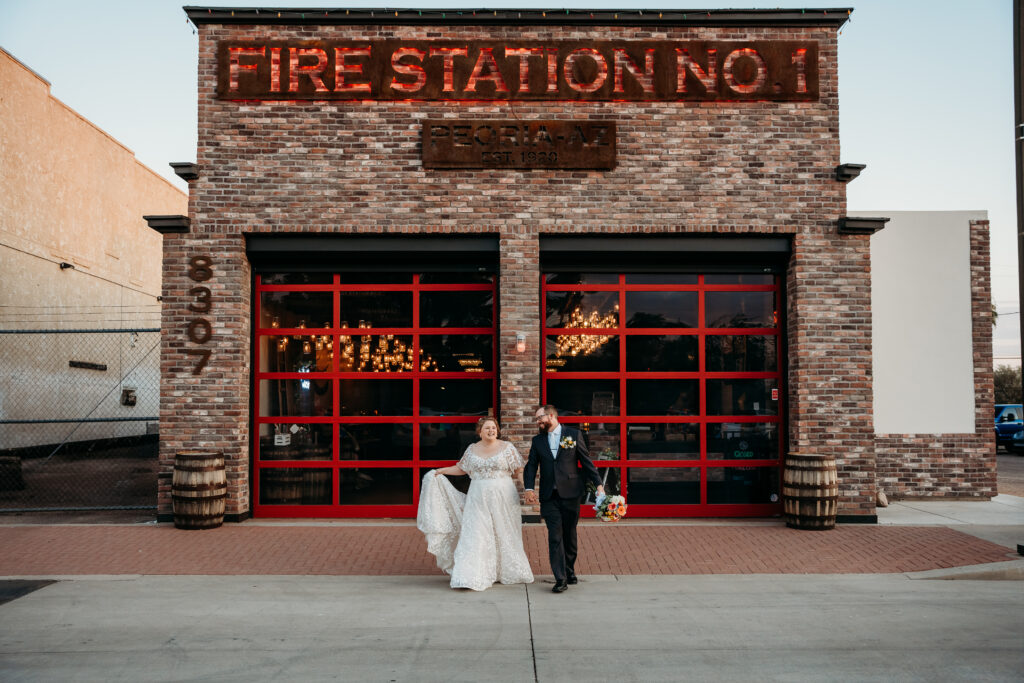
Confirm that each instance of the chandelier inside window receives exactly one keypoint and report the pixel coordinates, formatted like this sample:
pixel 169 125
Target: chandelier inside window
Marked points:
pixel 586 344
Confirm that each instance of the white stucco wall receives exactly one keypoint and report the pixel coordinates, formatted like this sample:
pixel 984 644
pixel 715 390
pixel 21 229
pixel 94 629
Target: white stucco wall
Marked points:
pixel 921 314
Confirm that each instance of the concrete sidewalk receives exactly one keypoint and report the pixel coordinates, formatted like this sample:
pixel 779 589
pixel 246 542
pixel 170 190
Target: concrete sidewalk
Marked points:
pixel 659 600
pixel 1000 520
pixel 881 627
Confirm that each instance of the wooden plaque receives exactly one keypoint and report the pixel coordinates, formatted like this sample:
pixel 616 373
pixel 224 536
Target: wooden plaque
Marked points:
pixel 517 144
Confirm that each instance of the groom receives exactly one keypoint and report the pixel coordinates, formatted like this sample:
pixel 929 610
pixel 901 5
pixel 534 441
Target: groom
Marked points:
pixel 560 452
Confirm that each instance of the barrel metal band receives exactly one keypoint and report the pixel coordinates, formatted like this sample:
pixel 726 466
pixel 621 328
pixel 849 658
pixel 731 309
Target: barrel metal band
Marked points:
pixel 194 499
pixel 200 487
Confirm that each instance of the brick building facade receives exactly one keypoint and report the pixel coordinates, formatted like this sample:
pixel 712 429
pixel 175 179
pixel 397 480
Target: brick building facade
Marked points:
pixel 714 186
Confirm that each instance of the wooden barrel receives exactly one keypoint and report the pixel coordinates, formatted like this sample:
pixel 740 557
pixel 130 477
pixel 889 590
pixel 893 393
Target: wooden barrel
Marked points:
pixel 199 490
pixel 281 486
pixel 317 452
pixel 810 491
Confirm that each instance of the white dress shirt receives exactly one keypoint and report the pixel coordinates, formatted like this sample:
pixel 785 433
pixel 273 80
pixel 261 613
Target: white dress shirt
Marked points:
pixel 554 437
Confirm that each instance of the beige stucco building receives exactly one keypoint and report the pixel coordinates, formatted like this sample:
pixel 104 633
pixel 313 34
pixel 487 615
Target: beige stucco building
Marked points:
pixel 75 253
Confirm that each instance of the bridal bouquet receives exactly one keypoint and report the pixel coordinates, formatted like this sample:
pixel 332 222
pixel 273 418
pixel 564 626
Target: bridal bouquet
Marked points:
pixel 610 508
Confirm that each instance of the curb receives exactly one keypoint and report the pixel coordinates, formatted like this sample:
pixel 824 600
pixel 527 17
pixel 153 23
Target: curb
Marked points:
pixel 1012 570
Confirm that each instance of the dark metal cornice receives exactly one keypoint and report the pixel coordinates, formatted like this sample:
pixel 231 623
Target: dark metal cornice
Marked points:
pixel 168 224
pixel 186 170
pixel 850 225
pixel 833 17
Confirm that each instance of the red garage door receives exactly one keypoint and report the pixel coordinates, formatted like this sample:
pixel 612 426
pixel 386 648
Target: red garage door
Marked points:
pixel 362 383
pixel 676 379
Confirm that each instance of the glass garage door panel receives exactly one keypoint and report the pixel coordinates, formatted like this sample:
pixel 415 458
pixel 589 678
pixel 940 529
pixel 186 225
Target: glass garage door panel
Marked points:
pixel 686 369
pixel 363 382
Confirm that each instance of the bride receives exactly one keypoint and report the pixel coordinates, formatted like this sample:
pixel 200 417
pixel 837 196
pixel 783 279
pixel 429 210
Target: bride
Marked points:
pixel 478 537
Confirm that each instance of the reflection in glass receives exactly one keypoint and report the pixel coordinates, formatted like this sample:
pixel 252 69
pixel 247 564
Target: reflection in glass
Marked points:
pixel 457 309
pixel 582 353
pixel 743 441
pixel 740 309
pixel 299 353
pixel 596 310
pixel 743 485
pixel 663 485
pixel 582 278
pixel 375 486
pixel 456 397
pixel 602 439
pixel 297 279
pixel 663 441
pixel 610 479
pixel 376 309
pixel 456 278
pixel 375 353
pixel 375 442
pixel 741 397
pixel 662 397
pixel 661 279
pixel 741 353
pixel 295 486
pixel 661 353
pixel 456 353
pixel 584 396
pixel 739 279
pixel 376 278
pixel 295 309
pixel 316 486
pixel 299 397
pixel 290 441
pixel 661 309
pixel 445 441
pixel 280 486
pixel 375 397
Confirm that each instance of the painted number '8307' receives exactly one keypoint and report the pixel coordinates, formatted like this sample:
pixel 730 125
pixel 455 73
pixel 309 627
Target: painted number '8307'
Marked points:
pixel 200 269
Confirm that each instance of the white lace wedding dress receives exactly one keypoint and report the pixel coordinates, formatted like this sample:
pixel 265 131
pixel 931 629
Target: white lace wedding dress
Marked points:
pixel 477 537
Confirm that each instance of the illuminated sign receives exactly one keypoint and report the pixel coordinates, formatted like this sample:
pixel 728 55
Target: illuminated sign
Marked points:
pixel 518 70
pixel 449 143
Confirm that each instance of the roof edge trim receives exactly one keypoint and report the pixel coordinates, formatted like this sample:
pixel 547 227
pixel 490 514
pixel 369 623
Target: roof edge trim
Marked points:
pixel 833 17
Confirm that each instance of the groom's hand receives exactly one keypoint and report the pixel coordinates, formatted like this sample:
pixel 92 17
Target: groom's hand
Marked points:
pixel 530 497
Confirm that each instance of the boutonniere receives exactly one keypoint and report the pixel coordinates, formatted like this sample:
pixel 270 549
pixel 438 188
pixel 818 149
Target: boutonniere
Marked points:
pixel 567 442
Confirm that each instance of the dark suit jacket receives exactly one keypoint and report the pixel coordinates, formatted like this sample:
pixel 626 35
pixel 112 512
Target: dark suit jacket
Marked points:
pixel 561 473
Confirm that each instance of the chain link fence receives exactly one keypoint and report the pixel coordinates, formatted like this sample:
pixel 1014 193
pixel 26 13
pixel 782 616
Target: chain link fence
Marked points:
pixel 79 416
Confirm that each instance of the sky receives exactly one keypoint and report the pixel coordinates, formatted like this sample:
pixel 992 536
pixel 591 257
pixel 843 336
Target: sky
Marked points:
pixel 925 97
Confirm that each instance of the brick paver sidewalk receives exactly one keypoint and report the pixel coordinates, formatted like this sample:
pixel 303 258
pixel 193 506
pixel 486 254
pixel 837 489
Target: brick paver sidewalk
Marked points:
pixel 35 550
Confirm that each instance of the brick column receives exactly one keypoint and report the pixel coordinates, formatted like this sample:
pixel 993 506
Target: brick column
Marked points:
pixel 519 306
pixel 209 410
pixel 829 334
pixel 980 469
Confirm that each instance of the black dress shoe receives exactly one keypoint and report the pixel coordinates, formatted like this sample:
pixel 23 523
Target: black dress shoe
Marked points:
pixel 560 587
pixel 572 580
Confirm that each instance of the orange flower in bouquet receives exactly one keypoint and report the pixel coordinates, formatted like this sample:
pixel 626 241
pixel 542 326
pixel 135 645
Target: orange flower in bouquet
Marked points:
pixel 610 508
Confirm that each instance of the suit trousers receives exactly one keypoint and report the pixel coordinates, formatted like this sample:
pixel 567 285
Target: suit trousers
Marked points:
pixel 561 516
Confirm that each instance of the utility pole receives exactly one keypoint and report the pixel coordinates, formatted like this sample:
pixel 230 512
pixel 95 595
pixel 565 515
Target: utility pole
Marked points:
pixel 1018 144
